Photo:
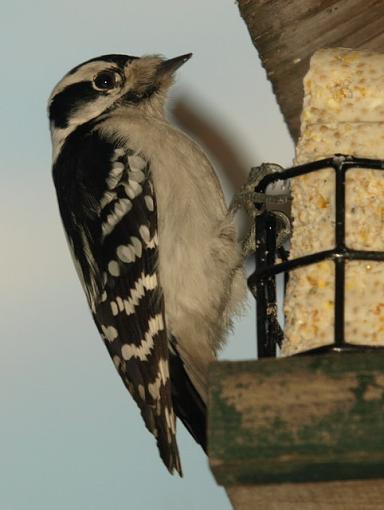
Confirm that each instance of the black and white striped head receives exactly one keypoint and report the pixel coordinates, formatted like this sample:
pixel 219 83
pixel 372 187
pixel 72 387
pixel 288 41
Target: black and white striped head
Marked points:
pixel 104 83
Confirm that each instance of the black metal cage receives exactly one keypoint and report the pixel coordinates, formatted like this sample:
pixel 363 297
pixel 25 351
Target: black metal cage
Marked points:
pixel 263 281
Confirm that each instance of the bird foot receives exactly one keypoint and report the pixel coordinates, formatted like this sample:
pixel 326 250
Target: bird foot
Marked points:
pixel 276 199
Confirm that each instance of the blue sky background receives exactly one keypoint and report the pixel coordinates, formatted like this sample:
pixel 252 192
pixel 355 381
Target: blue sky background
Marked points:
pixel 71 437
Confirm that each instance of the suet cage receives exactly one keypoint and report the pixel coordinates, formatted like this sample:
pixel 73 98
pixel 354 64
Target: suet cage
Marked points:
pixel 272 260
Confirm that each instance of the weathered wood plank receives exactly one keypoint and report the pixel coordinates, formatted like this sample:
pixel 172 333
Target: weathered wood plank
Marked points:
pixel 347 495
pixel 300 419
pixel 287 32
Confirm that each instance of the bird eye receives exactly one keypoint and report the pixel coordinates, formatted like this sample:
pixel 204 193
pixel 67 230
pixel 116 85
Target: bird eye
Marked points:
pixel 106 80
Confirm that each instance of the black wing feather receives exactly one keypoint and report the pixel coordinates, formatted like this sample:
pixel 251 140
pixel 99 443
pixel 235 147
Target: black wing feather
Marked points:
pixel 108 207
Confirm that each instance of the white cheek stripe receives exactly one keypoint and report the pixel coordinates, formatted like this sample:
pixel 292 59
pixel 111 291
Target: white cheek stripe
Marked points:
pixel 155 325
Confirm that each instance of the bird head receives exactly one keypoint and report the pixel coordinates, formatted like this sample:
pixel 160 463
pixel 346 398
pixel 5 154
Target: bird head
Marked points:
pixel 104 83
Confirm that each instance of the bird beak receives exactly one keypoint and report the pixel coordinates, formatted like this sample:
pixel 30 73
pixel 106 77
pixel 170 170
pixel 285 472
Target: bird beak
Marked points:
pixel 171 65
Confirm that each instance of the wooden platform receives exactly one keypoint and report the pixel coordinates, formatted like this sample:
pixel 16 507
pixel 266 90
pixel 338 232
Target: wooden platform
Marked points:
pixel 347 495
pixel 295 432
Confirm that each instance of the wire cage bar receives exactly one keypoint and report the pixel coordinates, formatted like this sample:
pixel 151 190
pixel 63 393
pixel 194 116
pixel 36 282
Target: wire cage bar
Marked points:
pixel 263 281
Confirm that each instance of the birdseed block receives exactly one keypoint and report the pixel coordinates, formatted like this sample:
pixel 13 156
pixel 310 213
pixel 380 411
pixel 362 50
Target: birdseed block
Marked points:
pixel 343 113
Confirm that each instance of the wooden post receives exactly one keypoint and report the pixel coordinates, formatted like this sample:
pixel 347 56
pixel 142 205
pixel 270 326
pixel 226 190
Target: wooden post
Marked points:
pixel 299 433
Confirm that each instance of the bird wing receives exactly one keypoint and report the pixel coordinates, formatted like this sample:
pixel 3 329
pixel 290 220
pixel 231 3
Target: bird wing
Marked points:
pixel 111 221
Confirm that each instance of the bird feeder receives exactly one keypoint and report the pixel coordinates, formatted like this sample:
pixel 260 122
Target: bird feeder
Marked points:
pixel 303 426
pixel 263 281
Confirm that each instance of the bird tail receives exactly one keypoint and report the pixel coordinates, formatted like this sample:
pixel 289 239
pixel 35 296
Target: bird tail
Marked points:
pixel 161 423
pixel 155 402
pixel 187 402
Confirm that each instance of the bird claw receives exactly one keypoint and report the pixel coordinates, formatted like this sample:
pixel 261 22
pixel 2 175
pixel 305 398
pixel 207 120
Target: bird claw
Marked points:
pixel 276 200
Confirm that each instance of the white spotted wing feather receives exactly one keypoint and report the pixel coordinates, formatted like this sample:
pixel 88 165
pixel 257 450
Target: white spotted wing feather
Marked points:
pixel 111 221
pixel 132 317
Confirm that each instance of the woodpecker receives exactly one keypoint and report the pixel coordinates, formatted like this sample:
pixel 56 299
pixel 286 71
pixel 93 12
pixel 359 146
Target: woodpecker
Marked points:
pixel 152 240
